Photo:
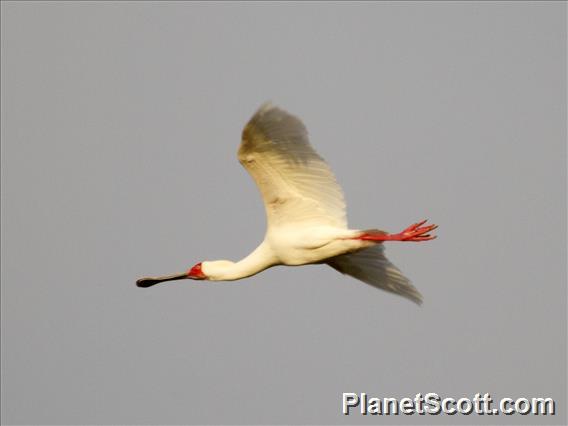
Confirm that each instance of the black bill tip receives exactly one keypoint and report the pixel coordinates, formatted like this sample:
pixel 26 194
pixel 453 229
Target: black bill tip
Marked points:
pixel 146 282
pixel 150 281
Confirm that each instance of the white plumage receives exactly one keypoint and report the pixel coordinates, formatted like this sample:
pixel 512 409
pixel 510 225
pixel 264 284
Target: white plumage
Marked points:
pixel 305 211
pixel 296 184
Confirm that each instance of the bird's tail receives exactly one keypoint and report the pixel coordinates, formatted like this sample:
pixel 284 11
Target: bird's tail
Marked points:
pixel 371 266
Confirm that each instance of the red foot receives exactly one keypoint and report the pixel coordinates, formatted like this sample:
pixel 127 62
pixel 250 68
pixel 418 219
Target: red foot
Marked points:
pixel 415 232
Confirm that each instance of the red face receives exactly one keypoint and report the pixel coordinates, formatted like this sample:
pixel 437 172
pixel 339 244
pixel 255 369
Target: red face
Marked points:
pixel 196 273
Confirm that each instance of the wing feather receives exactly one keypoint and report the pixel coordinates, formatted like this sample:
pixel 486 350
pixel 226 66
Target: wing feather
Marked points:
pixel 296 184
pixel 371 266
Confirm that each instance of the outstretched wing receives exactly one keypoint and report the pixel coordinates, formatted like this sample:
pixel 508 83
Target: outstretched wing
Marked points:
pixel 296 184
pixel 371 266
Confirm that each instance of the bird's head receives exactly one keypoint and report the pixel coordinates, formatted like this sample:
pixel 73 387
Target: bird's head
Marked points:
pixel 196 272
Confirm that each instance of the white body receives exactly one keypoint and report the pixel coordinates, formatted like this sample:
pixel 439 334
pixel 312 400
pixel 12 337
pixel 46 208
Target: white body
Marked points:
pixel 301 245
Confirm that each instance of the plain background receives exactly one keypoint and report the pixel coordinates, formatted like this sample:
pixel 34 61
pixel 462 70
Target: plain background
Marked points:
pixel 120 125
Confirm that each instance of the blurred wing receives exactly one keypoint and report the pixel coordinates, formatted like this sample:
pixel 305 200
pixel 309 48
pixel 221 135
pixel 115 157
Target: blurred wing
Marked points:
pixel 371 266
pixel 296 184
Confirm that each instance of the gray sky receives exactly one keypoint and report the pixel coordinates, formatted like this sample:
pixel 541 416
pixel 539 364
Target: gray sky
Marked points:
pixel 120 125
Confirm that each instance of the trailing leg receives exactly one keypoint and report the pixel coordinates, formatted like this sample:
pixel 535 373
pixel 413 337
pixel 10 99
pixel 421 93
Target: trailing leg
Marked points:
pixel 415 232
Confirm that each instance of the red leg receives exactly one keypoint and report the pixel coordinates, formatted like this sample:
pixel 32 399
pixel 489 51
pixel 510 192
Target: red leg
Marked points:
pixel 415 232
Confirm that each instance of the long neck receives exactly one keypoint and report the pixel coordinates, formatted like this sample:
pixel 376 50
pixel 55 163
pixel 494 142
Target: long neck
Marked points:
pixel 259 260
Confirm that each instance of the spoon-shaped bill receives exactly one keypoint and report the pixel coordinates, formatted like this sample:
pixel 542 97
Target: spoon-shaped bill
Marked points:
pixel 150 281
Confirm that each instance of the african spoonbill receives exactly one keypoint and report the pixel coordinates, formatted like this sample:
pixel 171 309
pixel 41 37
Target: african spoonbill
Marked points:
pixel 305 212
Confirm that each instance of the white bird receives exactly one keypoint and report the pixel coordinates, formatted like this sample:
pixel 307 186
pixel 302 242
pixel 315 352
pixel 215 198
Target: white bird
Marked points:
pixel 305 212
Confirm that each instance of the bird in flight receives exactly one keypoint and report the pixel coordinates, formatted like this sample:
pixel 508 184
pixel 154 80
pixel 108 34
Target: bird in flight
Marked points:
pixel 305 212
